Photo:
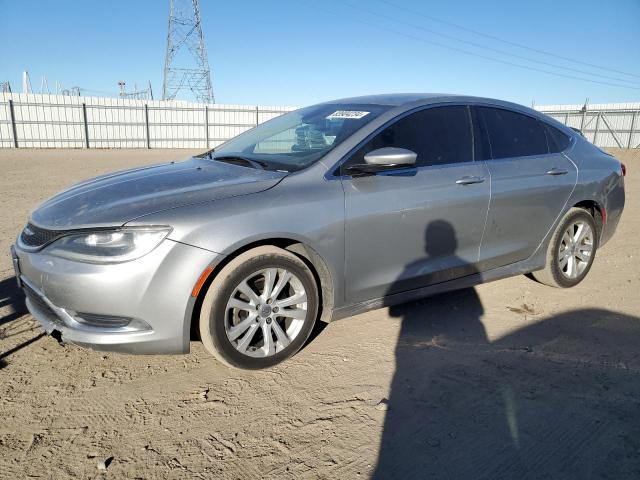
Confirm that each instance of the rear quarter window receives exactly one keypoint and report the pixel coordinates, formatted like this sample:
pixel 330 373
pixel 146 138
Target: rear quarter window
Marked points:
pixel 558 141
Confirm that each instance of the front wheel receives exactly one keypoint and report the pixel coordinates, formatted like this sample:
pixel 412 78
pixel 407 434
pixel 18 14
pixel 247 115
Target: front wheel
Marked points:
pixel 260 309
pixel 571 250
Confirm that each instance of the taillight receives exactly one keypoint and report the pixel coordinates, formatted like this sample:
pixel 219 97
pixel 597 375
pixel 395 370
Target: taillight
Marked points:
pixel 624 170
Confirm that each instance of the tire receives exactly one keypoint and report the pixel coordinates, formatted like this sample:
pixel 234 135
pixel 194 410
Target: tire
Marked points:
pixel 237 318
pixel 575 263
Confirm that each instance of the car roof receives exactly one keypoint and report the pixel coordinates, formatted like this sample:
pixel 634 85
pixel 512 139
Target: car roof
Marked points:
pixel 413 99
pixel 391 99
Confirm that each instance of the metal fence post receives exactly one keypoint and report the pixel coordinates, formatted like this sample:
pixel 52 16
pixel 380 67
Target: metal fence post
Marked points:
pixel 12 114
pixel 146 125
pixel 206 124
pixel 633 126
pixel 257 117
pixel 86 126
pixel 595 134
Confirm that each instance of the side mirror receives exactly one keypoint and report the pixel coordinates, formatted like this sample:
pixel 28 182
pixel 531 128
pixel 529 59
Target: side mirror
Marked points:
pixel 381 159
pixel 391 156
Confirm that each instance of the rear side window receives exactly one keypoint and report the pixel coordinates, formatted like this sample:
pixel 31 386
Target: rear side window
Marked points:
pixel 439 135
pixel 512 134
pixel 558 141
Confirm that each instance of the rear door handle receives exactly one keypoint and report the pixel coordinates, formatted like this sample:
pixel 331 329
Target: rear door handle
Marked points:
pixel 557 171
pixel 469 180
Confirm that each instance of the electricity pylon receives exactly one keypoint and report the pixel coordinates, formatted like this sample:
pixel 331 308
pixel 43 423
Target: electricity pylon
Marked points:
pixel 186 66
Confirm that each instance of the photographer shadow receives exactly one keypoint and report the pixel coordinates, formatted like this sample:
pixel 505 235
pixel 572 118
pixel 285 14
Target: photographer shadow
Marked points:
pixel 532 404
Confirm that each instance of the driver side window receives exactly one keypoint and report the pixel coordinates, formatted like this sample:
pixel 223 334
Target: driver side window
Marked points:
pixel 439 135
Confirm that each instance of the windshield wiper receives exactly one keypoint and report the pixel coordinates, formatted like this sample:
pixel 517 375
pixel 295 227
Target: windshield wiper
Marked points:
pixel 208 154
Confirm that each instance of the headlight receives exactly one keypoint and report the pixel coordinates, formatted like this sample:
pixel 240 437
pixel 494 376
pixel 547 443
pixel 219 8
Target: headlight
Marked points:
pixel 109 246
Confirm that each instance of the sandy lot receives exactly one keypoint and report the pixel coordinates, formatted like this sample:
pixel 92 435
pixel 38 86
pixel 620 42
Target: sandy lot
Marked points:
pixel 508 380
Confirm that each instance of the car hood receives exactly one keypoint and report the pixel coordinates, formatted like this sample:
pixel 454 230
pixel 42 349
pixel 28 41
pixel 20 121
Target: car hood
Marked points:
pixel 118 198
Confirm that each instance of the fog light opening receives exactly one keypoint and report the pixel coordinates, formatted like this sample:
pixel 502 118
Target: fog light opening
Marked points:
pixel 96 320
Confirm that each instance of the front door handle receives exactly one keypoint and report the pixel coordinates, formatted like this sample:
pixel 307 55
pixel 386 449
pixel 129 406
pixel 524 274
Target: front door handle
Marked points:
pixel 557 171
pixel 469 180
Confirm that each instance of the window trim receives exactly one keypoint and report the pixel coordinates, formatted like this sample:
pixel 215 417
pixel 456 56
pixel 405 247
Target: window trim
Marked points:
pixel 478 121
pixel 336 170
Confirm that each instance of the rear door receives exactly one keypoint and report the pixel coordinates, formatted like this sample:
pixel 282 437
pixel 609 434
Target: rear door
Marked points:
pixel 530 183
pixel 409 228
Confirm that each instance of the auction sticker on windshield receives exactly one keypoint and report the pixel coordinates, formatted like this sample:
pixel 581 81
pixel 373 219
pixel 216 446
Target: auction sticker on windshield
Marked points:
pixel 354 114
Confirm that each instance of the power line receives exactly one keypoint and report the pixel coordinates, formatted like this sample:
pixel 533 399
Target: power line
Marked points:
pixel 496 50
pixel 316 7
pixel 508 42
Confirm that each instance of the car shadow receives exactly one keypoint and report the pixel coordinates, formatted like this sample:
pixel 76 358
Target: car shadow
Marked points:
pixel 13 308
pixel 556 399
pixel 318 328
pixel 11 299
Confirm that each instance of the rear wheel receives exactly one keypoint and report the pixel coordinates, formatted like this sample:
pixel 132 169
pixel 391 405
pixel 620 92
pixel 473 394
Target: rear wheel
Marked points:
pixel 571 250
pixel 260 309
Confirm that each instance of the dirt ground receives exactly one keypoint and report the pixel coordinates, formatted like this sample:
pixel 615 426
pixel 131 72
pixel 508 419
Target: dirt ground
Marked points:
pixel 508 380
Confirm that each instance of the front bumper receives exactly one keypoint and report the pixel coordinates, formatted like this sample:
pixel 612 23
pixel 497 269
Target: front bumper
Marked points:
pixel 142 306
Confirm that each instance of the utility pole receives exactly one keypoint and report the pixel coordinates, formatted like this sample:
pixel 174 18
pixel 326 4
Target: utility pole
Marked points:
pixel 26 82
pixel 186 67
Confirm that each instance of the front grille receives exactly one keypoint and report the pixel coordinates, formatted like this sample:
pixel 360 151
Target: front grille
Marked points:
pixel 33 236
pixel 40 304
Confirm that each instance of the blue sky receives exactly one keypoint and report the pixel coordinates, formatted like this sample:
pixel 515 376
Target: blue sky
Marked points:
pixel 297 52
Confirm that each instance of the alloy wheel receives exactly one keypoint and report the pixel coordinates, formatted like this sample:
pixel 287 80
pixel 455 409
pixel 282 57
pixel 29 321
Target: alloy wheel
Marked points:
pixel 576 248
pixel 266 312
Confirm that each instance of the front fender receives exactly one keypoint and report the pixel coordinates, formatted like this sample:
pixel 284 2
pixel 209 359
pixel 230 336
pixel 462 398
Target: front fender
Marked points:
pixel 308 212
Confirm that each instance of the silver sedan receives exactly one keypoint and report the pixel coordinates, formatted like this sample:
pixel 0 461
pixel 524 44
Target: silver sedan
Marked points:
pixel 316 215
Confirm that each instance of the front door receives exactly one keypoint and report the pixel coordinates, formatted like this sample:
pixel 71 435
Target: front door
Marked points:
pixel 406 229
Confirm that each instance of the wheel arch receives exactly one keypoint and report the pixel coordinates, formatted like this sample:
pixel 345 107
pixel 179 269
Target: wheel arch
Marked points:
pixel 597 211
pixel 315 262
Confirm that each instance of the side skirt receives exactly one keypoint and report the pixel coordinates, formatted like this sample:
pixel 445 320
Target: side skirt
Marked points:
pixel 536 262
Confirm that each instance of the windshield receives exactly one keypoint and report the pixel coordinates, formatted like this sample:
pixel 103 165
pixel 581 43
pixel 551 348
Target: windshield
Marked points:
pixel 297 139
